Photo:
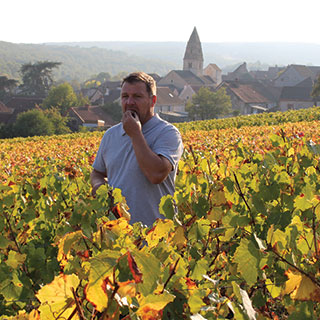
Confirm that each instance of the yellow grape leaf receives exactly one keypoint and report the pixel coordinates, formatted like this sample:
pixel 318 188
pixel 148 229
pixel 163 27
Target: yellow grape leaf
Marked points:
pixel 97 293
pixel 57 298
pixel 123 210
pixel 15 259
pixel 66 243
pixel 127 289
pixel 119 226
pixel 101 278
pixel 291 152
pixel 151 306
pixel 273 289
pixel 179 238
pixel 160 230
pixel 22 315
pixel 277 237
pixel 300 287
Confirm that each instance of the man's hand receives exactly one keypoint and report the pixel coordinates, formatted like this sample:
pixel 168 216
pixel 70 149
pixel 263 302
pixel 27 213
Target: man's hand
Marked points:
pixel 97 179
pixel 131 123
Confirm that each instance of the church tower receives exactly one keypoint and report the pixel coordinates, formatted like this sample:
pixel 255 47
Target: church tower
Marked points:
pixel 193 57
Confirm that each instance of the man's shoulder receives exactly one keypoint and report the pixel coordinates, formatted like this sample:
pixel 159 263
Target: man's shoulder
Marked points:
pixel 165 125
pixel 116 129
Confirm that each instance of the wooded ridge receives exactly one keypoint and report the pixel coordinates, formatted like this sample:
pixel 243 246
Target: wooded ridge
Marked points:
pixel 77 63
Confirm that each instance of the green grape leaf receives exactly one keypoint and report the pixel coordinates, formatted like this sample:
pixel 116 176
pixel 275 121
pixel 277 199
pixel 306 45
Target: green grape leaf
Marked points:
pixel 166 206
pixel 149 266
pixel 247 257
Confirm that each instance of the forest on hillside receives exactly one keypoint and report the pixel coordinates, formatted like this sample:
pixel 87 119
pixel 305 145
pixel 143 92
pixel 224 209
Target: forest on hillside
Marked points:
pixel 81 60
pixel 76 63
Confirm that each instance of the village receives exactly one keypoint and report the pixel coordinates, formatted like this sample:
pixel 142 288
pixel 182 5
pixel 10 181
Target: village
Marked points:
pixel 250 92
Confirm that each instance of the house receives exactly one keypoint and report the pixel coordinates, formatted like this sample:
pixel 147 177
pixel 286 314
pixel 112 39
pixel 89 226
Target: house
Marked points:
pixel 240 73
pixel 297 97
pixel 167 101
pixel 89 116
pixel 247 98
pixel 295 74
pixel 189 90
pixel 180 78
pixel 111 91
pixel 214 72
pixel 155 76
pixel 169 106
pixel 5 113
pixel 21 104
pixel 267 75
pixel 94 95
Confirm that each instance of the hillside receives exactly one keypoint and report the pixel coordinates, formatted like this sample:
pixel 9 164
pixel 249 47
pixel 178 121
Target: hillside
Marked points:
pixel 225 55
pixel 77 62
pixel 81 60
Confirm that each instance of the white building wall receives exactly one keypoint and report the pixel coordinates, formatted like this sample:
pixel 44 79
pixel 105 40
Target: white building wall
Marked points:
pixel 294 105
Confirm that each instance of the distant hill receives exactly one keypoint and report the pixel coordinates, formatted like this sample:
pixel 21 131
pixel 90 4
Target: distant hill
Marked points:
pixel 225 55
pixel 78 63
pixel 81 60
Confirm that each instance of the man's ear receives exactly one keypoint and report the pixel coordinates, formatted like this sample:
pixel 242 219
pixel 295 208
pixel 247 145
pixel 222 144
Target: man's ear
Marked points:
pixel 154 100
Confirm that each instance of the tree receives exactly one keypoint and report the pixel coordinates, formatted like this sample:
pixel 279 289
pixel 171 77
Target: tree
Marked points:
pixel 92 84
pixel 63 97
pixel 59 122
pixel 37 77
pixel 7 86
pixel 114 110
pixel 102 77
pixel 316 91
pixel 33 123
pixel 207 104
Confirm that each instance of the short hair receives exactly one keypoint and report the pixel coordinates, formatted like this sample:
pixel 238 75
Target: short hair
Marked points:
pixel 142 77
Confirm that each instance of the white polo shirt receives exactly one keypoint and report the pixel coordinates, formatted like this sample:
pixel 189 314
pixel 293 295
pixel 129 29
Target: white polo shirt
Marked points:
pixel 116 157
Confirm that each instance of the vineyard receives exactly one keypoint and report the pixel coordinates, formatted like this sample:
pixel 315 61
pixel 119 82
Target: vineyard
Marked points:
pixel 240 239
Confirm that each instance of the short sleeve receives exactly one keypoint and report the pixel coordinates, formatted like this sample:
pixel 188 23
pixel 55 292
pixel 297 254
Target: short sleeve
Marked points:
pixel 99 163
pixel 169 144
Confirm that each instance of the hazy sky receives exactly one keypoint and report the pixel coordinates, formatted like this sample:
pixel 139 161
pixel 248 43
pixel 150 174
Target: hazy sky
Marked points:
pixel 36 21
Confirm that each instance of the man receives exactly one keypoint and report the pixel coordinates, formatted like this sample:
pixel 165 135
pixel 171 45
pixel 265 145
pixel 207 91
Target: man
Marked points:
pixel 140 155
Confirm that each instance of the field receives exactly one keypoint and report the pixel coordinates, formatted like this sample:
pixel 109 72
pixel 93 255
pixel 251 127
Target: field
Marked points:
pixel 241 238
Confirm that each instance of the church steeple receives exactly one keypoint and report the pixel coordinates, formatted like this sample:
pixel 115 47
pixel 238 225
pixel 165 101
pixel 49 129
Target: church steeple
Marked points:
pixel 193 57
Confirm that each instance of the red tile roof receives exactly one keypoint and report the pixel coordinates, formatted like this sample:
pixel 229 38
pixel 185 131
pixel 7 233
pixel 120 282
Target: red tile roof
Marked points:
pixel 91 114
pixel 5 109
pixel 166 97
pixel 21 104
pixel 247 94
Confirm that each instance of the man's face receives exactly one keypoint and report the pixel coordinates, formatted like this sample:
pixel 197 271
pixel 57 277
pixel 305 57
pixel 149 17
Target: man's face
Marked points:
pixel 135 97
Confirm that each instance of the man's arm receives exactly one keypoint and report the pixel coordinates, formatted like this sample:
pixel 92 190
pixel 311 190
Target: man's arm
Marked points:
pixel 97 179
pixel 155 167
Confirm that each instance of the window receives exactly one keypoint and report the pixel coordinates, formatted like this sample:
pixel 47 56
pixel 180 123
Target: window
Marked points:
pixel 190 64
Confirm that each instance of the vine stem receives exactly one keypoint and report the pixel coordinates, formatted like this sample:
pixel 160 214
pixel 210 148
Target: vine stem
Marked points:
pixel 24 267
pixel 78 305
pixel 314 232
pixel 173 271
pixel 217 253
pixel 313 279
pixel 243 197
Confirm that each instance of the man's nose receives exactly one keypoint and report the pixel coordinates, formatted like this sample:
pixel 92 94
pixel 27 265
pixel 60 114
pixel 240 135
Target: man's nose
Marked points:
pixel 130 100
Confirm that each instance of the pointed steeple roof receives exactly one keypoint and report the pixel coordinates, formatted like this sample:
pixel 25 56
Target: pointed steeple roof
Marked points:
pixel 194 49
